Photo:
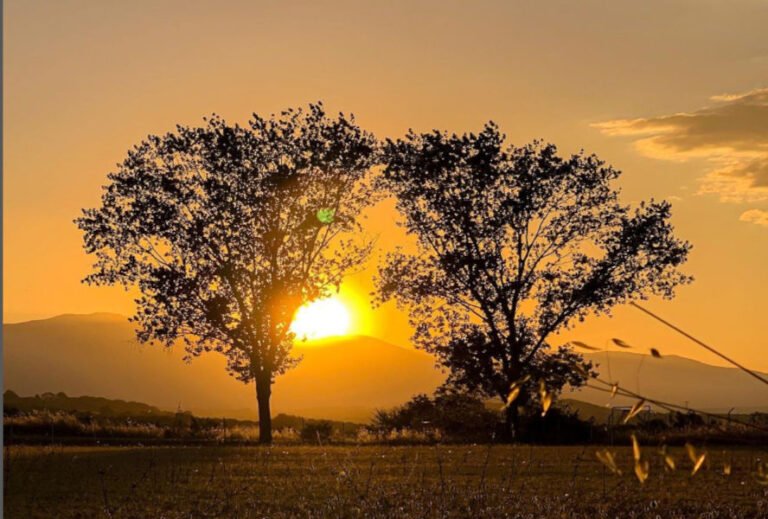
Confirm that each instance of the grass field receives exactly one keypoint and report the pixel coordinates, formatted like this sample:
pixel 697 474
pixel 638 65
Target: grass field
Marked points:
pixel 372 481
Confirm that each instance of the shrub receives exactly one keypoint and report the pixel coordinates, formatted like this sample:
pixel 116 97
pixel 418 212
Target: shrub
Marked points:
pixel 558 426
pixel 319 431
pixel 453 415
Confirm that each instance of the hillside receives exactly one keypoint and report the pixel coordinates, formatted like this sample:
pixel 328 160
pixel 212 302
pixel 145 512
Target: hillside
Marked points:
pixel 341 379
pixel 98 354
pixel 84 404
pixel 676 379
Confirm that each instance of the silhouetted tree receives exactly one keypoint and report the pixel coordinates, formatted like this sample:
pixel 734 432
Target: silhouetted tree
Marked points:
pixel 226 230
pixel 456 414
pixel 512 246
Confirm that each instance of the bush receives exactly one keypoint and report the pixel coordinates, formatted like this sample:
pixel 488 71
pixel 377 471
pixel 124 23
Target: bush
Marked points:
pixel 559 426
pixel 452 415
pixel 319 432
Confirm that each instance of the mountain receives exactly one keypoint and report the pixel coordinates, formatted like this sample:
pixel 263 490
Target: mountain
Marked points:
pixel 351 377
pixel 585 410
pixel 342 379
pixel 97 354
pixel 677 380
pixel 84 404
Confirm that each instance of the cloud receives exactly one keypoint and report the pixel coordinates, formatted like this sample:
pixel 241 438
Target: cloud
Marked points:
pixel 731 134
pixel 755 216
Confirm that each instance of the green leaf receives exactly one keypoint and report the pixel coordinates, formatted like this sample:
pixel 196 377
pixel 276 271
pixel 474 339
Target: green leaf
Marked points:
pixel 325 216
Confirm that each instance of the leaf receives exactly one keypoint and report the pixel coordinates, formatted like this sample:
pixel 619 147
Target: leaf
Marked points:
pixel 642 470
pixel 635 448
pixel 696 458
pixel 669 461
pixel 546 404
pixel 584 346
pixel 325 216
pixel 609 460
pixel 655 353
pixel 635 409
pixel 699 463
pixel 691 450
pixel 546 398
pixel 515 388
pixel 620 343
pixel 514 392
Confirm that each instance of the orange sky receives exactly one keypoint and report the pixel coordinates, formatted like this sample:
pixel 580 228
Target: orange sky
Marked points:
pixel 85 80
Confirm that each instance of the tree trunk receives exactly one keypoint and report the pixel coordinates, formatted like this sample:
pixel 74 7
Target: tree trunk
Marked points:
pixel 263 393
pixel 511 415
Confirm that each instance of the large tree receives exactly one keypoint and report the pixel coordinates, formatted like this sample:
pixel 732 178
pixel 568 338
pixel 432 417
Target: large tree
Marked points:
pixel 512 246
pixel 226 230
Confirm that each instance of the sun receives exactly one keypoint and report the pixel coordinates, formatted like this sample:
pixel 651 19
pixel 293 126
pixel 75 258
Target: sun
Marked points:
pixel 320 319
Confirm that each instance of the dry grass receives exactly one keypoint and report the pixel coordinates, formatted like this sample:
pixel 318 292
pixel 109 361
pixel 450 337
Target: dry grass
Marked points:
pixel 373 481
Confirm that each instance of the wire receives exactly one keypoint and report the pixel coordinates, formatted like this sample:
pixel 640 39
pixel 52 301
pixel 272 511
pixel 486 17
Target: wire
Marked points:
pixel 700 343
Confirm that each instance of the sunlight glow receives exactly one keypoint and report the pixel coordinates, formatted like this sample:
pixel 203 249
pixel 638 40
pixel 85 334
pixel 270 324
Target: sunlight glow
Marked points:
pixel 320 319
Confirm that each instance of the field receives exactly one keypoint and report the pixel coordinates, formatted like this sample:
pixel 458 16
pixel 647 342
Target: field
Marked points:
pixel 372 481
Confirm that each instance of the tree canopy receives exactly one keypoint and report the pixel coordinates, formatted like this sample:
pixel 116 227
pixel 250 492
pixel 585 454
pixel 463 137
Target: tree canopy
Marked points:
pixel 226 230
pixel 513 245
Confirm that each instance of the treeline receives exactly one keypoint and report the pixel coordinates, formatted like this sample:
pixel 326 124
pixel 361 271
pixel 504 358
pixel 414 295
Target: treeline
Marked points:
pixel 58 418
pixel 446 416
pixel 14 403
pixel 457 416
pixel 460 417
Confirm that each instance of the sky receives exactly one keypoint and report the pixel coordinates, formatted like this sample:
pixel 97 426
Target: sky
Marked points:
pixel 673 93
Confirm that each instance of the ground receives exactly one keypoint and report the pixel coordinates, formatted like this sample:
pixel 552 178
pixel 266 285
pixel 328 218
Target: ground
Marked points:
pixel 372 481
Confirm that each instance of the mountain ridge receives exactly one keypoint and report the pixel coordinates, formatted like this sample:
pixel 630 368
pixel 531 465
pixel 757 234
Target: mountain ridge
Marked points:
pixel 332 341
pixel 98 354
pixel 343 378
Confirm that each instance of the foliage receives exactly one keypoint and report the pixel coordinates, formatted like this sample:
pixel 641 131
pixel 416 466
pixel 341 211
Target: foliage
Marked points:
pixel 46 426
pixel 447 416
pixel 317 432
pixel 560 426
pixel 454 415
pixel 513 246
pixel 226 230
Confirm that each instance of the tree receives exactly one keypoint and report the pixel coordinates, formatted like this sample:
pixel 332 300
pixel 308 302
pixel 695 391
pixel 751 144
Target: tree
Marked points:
pixel 512 246
pixel 455 414
pixel 226 230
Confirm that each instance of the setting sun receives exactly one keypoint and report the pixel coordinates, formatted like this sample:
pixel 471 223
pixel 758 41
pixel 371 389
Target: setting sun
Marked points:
pixel 320 319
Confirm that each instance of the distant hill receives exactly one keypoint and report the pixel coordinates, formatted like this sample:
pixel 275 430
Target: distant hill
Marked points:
pixel 585 410
pixel 678 380
pixel 344 379
pixel 351 377
pixel 85 404
pixel 98 354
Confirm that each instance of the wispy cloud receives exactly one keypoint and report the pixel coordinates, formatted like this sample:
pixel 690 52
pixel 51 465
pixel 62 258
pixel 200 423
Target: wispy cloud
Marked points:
pixel 732 134
pixel 755 216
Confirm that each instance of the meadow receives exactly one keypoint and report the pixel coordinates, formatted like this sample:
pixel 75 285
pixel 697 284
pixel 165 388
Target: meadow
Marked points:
pixel 375 481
